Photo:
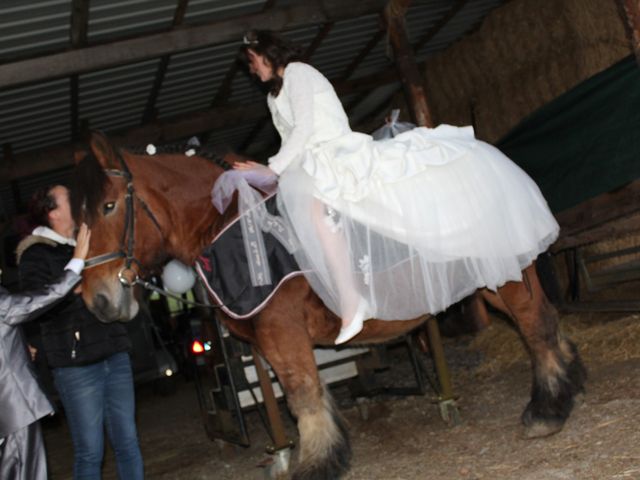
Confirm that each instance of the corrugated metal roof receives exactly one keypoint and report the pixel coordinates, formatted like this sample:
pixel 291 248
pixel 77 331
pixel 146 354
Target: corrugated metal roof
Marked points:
pixel 115 99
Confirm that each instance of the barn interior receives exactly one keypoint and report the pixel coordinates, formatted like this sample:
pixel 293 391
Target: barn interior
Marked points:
pixel 555 84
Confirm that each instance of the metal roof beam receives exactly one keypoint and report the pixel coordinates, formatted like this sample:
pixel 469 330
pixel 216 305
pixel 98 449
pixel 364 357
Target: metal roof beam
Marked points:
pixel 439 25
pixel 189 38
pixel 182 126
pixel 170 129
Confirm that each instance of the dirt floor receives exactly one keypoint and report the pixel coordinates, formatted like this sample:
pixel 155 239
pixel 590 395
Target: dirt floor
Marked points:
pixel 404 438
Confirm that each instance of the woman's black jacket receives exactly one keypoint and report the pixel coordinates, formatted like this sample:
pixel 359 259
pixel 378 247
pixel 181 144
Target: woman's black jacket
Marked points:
pixel 71 334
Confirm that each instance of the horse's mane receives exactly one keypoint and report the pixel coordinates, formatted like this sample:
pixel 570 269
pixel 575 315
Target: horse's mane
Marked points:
pixel 87 189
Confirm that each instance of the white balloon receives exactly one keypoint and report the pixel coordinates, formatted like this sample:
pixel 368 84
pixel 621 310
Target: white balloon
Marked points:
pixel 178 277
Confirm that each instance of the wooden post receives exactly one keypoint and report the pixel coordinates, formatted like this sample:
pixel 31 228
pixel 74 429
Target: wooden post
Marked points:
pixel 405 62
pixel 631 15
pixel 271 405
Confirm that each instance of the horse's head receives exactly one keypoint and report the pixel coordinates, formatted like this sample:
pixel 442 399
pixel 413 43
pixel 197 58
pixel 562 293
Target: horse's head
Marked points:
pixel 104 197
pixel 141 210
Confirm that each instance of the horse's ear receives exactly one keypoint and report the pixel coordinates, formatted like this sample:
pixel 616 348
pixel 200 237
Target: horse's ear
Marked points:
pixel 103 150
pixel 79 155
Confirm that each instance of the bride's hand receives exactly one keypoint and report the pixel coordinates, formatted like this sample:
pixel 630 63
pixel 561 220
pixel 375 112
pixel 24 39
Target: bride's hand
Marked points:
pixel 257 175
pixel 248 165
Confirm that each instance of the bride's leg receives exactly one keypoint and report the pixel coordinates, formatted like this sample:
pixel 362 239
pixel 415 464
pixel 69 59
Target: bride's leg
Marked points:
pixel 335 249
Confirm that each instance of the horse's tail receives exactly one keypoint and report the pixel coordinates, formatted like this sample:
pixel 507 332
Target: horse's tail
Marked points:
pixel 325 451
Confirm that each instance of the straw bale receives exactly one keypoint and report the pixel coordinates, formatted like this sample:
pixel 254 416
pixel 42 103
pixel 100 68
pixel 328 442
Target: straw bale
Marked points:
pixel 604 26
pixel 610 246
pixel 500 107
pixel 599 338
pixel 458 115
pixel 522 57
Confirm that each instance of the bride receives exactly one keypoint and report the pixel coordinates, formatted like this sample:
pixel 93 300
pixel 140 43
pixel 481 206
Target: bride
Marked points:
pixel 396 228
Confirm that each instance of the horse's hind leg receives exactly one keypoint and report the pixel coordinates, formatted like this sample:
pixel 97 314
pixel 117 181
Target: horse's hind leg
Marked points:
pixel 558 372
pixel 325 451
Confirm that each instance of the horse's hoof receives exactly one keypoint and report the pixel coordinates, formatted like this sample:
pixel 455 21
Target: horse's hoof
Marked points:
pixel 542 429
pixel 527 416
pixel 579 399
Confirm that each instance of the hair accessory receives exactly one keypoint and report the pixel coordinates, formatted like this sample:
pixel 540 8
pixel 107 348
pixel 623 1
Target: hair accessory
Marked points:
pixel 247 41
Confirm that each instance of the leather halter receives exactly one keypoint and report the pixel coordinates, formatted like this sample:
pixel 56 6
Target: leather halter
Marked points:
pixel 127 241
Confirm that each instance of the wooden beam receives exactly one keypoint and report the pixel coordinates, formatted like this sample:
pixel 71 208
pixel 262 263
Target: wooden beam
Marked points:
pixel 589 221
pixel 405 62
pixel 78 38
pixel 180 12
pixel 224 92
pixel 416 46
pixel 163 65
pixel 630 10
pixel 7 155
pixel 79 23
pixel 9 162
pixel 74 106
pixel 362 54
pixel 179 40
pixel 317 41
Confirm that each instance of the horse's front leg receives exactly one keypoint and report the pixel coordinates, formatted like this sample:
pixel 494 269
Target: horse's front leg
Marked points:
pixel 558 372
pixel 283 339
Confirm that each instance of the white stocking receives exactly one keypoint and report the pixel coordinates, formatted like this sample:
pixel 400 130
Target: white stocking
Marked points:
pixel 336 252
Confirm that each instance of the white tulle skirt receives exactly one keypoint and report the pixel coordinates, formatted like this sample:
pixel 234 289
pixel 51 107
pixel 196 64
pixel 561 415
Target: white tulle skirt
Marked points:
pixel 411 224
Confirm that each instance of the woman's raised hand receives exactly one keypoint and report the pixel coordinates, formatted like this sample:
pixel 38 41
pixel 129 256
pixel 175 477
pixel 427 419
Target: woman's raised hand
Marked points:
pixel 248 165
pixel 82 242
pixel 257 175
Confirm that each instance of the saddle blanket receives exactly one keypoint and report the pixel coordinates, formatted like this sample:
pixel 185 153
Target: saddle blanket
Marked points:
pixel 224 269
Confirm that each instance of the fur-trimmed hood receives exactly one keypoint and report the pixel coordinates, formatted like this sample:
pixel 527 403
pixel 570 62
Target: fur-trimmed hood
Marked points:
pixel 30 241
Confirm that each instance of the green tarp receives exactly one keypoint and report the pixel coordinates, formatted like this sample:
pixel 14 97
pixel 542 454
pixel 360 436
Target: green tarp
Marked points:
pixel 586 141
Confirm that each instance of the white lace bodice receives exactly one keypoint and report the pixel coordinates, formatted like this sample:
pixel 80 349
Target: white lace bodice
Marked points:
pixel 306 113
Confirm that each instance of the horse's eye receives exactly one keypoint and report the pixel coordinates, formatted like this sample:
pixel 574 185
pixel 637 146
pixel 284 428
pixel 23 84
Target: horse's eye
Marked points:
pixel 108 207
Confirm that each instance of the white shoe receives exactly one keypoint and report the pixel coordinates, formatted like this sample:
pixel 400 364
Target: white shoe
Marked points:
pixel 355 326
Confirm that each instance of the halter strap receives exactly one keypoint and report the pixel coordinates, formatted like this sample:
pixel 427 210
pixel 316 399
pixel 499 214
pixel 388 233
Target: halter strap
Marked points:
pixel 128 233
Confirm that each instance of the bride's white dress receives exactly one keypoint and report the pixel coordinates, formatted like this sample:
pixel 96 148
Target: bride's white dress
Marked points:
pixel 412 224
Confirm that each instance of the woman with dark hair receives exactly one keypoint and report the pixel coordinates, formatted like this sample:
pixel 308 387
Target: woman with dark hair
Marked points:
pixel 89 360
pixel 396 228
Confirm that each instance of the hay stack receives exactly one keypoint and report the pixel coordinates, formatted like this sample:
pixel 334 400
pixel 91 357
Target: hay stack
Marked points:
pixel 525 54
pixel 600 340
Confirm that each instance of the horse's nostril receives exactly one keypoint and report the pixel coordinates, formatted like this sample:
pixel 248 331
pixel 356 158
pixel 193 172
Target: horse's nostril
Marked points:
pixel 101 301
pixel 101 307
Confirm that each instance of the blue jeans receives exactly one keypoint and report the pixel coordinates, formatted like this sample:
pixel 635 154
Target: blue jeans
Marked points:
pixel 96 397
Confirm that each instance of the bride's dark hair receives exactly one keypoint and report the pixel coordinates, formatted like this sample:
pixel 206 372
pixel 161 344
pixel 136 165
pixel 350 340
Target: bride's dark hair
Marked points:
pixel 278 51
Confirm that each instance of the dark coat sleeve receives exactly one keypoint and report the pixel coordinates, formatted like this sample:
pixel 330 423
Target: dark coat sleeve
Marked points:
pixel 18 308
pixel 35 270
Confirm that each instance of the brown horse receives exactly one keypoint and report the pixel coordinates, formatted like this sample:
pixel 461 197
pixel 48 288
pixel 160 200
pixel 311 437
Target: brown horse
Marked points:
pixel 167 199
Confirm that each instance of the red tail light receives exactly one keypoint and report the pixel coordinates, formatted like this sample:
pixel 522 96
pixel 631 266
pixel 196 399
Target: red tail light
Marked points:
pixel 197 347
